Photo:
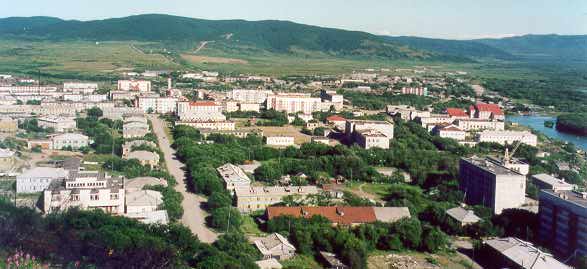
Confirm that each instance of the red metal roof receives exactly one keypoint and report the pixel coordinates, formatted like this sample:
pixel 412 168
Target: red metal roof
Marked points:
pixel 493 108
pixel 456 112
pixel 336 214
pixel 335 118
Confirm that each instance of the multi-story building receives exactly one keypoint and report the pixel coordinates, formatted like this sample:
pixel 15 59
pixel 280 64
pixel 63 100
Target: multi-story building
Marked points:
pixel 210 125
pixel 146 158
pixel 479 124
pixel 421 91
pixel 336 99
pixel 86 190
pixel 124 95
pixel 457 113
pixel 8 125
pixel 279 140
pixel 294 102
pixel 486 111
pixel 507 137
pixel 435 119
pixel 38 179
pixel 249 107
pixel 337 121
pixel 80 87
pixel 403 111
pixel 251 199
pixel 234 177
pixel 201 116
pixel 134 85
pixel 199 107
pixel 563 221
pixel 511 252
pixel 371 138
pixel 488 182
pixel 59 124
pixel 249 96
pixel 69 140
pixel 548 182
pixel 157 104
pixel 450 131
pixel 76 97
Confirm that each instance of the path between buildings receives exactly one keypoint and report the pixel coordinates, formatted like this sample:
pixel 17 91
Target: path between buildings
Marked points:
pixel 193 215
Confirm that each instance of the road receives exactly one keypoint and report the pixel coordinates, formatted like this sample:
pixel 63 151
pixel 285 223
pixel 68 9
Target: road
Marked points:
pixel 193 215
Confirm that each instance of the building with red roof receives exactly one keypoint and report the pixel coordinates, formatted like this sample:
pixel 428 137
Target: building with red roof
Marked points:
pixel 343 215
pixel 486 111
pixel 457 113
pixel 338 121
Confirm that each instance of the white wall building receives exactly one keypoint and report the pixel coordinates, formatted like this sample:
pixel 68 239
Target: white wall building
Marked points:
pixel 233 176
pixel 160 105
pixel 210 125
pixel 259 198
pixel 479 124
pixel 509 137
pixel 294 102
pixel 134 85
pixel 59 124
pixel 38 179
pixel 80 87
pixel 73 140
pixel 450 131
pixel 371 138
pixel 249 96
pixel 279 140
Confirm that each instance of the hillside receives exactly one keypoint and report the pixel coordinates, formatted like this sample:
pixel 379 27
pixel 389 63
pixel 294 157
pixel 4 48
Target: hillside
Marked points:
pixel 543 47
pixel 464 48
pixel 274 36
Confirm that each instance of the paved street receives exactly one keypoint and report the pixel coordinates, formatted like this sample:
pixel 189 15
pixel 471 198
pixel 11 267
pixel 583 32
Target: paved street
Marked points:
pixel 193 215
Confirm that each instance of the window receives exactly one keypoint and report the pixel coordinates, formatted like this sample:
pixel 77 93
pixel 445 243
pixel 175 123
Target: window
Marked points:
pixel 114 196
pixel 94 197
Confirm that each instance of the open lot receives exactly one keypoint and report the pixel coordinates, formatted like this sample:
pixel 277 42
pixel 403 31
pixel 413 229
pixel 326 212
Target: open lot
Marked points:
pixel 288 130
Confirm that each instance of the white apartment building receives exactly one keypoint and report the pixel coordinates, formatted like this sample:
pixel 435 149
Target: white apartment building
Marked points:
pixel 337 100
pixel 480 124
pixel 201 116
pixel 384 127
pixel 198 107
pixel 249 199
pixel 160 105
pixel 249 107
pixel 86 190
pixel 73 140
pixel 134 85
pixel 76 97
pixel 279 140
pixel 249 96
pixel 234 177
pixel 59 124
pixel 435 119
pixel 80 87
pixel 370 138
pixel 450 131
pixel 509 137
pixel 210 125
pixel 294 102
pixel 38 179
pixel 135 129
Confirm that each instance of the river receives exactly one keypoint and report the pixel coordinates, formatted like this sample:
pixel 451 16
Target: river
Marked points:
pixel 537 123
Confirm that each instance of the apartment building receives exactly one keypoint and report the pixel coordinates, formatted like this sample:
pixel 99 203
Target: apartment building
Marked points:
pixel 370 138
pixel 337 100
pixel 403 111
pixel 160 105
pixel 38 179
pixel 134 129
pixel 508 137
pixel 488 182
pixel 59 124
pixel 548 182
pixel 69 140
pixel 76 97
pixel 146 158
pixel 449 131
pixel 279 140
pixel 249 96
pixel 337 121
pixel 234 177
pixel 480 124
pixel 258 198
pixel 8 125
pixel 210 125
pixel 563 221
pixel 457 113
pixel 511 252
pixel 434 119
pixel 249 107
pixel 294 103
pixel 134 85
pixel 420 91
pixel 80 87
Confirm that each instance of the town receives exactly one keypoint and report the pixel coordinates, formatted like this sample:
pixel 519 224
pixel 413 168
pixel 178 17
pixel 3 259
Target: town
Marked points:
pixel 315 171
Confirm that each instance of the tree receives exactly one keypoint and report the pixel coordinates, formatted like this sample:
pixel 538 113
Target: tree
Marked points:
pixel 409 231
pixel 434 239
pixel 219 199
pixel 95 112
pixel 226 219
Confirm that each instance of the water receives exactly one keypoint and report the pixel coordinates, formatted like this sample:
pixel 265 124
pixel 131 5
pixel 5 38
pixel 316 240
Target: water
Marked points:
pixel 537 123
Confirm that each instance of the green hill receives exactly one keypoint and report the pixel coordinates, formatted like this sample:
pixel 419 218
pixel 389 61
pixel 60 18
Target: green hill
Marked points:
pixel 543 47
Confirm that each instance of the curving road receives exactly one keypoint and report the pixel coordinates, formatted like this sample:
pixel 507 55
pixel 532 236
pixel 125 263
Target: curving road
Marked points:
pixel 193 215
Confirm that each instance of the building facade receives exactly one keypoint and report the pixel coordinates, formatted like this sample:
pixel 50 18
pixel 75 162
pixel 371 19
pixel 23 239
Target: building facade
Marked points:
pixel 70 140
pixel 294 102
pixel 258 198
pixel 279 140
pixel 508 137
pixel 38 179
pixel 234 177
pixel 160 105
pixel 59 124
pixel 134 85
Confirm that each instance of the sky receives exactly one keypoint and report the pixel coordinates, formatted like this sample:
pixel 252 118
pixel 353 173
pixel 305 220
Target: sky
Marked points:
pixel 452 19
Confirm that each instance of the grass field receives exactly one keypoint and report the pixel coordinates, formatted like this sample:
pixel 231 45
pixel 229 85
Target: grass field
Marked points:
pixel 107 60
pixel 63 59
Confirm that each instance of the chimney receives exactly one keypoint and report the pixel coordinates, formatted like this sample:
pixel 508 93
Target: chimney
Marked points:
pixel 169 83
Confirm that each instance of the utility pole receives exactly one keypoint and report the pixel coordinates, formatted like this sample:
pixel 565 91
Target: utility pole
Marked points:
pixel 228 220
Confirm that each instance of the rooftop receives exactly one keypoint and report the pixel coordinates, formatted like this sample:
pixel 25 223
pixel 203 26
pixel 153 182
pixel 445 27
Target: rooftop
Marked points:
pixel 144 198
pixel 341 214
pixel 6 153
pixel 524 254
pixel 456 112
pixel 269 242
pixel 232 174
pixel 493 108
pixel 275 190
pixel 143 155
pixel 335 118
pixel 548 179
pixel 575 197
pixel 490 165
pixel 462 215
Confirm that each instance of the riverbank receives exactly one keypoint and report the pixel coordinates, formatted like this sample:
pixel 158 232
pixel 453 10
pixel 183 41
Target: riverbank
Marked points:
pixel 536 122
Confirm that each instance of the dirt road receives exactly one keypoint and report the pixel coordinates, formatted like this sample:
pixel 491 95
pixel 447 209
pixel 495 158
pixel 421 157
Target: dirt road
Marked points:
pixel 193 215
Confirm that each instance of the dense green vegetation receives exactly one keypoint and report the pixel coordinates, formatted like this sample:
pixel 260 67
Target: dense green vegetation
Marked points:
pixel 379 101
pixel 573 123
pixel 93 239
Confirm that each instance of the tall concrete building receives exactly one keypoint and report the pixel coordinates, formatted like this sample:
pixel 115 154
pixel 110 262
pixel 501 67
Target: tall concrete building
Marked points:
pixel 487 182
pixel 563 221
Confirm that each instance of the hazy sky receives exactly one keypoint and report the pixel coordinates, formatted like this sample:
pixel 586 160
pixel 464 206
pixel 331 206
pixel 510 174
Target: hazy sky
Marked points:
pixel 431 18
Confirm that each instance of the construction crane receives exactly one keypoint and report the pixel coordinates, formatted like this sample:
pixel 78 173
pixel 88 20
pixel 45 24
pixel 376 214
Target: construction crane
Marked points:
pixel 507 158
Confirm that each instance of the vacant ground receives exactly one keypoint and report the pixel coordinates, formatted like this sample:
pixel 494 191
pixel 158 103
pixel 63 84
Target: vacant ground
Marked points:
pixel 409 260
pixel 208 59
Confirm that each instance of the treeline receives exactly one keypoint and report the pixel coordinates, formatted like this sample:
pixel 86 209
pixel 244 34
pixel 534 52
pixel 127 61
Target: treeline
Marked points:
pixel 93 239
pixel 373 101
pixel 562 94
pixel 105 132
pixel 575 123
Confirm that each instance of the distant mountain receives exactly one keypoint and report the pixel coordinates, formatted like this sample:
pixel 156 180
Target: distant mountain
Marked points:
pixel 464 48
pixel 287 37
pixel 543 47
